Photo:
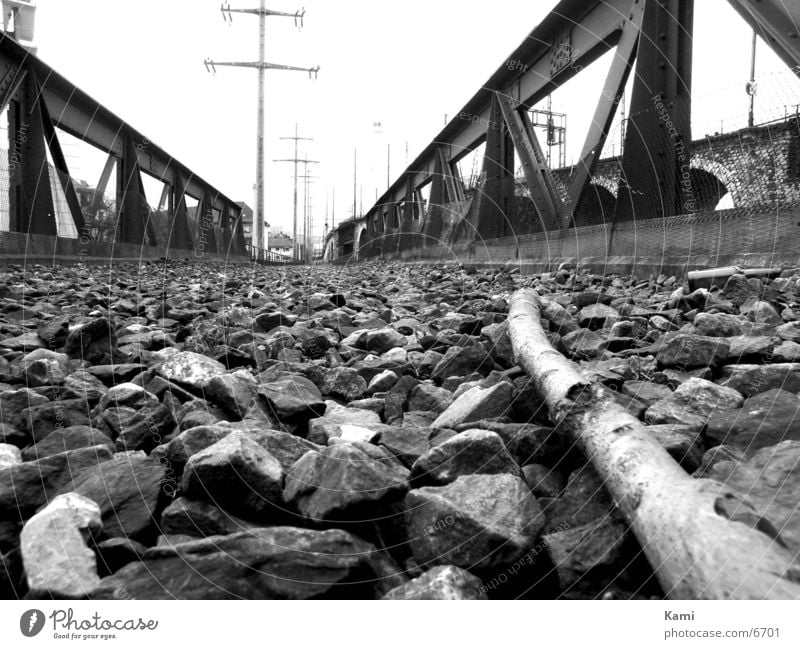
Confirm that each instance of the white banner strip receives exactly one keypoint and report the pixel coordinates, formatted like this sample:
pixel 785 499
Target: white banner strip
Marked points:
pixel 393 625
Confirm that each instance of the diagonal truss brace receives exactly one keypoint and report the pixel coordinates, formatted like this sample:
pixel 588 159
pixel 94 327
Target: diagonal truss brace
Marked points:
pixel 621 66
pixel 539 178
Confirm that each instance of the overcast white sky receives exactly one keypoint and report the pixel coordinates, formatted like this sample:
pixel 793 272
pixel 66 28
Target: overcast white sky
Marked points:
pixel 405 64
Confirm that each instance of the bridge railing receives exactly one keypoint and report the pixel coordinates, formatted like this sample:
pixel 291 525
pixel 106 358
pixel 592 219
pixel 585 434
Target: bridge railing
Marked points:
pixel 270 257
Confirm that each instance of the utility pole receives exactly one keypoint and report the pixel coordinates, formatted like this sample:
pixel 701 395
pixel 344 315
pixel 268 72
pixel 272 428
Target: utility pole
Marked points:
pixel 307 227
pixel 306 200
pixel 355 183
pixel 262 66
pixel 296 160
pixel 752 86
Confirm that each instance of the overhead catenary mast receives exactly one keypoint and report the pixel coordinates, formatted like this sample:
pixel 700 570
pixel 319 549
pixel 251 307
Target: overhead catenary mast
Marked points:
pixel 262 66
pixel 296 160
pixel 307 227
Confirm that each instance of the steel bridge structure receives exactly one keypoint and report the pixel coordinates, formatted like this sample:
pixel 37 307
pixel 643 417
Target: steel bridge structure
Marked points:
pixel 428 210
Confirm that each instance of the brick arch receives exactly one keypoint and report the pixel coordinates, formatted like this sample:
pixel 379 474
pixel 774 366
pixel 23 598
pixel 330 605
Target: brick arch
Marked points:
pixel 724 174
pixel 607 182
pixel 358 244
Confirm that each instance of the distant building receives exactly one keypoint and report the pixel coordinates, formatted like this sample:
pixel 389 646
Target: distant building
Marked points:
pixel 247 225
pixel 282 244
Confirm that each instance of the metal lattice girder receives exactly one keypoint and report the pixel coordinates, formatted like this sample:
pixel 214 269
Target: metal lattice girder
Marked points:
pixel 778 23
pixel 78 114
pixel 538 176
pixel 572 37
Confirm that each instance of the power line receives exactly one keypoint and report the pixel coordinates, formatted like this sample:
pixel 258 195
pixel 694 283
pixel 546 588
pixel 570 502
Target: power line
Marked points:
pixel 296 160
pixel 262 66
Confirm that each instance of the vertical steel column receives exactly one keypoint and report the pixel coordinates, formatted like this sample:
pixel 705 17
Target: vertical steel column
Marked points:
pixel 655 180
pixel 497 201
pixel 31 198
pixel 181 237
pixel 133 224
pixel 406 237
pixel 435 221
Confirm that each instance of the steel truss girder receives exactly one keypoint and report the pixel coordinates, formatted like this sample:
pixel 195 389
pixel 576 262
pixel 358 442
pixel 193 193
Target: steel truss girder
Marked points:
pixel 78 114
pixel 542 187
pixel 778 23
pixel 585 30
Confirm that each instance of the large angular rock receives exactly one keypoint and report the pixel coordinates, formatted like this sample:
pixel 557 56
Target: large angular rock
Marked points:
pixel 190 370
pixel 192 441
pixel 470 452
pixel 293 399
pixel 765 420
pixel 93 341
pixel 27 486
pixel 769 482
pixel 345 483
pixel 234 392
pixel 42 420
pixel 683 443
pixel 146 429
pixel 274 563
pixel 597 316
pixel 45 367
pixel 270 321
pixel 790 332
pixel 583 500
pixel 199 519
pixel 462 361
pixel 428 398
pixel 407 444
pixel 15 405
pixel 719 325
pixel 755 379
pixel 382 340
pixel 323 429
pixel 58 564
pixel 9 456
pixel 478 403
pixel 688 351
pixel 344 383
pixel 84 385
pixel 499 343
pixel 583 344
pixel 577 551
pixel 529 444
pixel 693 403
pixel 67 439
pixel 441 582
pixel 236 474
pixel 127 489
pixel 477 522
pixel 646 392
pixel 749 349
